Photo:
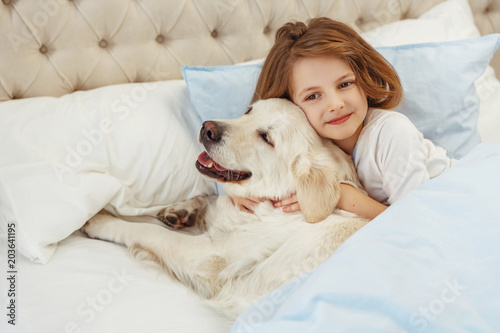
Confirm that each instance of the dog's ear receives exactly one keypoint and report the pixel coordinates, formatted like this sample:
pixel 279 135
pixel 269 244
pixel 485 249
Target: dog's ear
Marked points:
pixel 318 189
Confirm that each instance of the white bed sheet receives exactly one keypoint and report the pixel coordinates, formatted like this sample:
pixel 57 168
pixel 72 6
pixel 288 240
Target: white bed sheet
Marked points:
pixel 94 286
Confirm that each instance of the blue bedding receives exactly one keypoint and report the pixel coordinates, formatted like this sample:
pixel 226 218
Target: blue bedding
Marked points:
pixel 429 263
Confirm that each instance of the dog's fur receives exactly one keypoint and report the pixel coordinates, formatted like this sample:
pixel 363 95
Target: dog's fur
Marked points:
pixel 271 152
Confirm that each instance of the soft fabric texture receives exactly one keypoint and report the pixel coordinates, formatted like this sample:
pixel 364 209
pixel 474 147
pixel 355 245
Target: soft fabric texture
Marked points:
pixel 92 286
pixel 126 148
pixel 438 79
pixel 429 263
pixel 393 158
pixel 447 21
pixel 205 84
pixel 54 47
pixel 440 96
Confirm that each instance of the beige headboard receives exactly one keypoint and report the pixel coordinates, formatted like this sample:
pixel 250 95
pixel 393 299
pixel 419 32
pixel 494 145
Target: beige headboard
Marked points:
pixel 54 47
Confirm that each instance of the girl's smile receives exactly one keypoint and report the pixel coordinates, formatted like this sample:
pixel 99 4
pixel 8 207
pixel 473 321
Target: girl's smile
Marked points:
pixel 340 120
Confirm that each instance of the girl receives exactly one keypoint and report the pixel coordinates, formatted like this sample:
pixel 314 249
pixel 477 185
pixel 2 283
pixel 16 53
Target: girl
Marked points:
pixel 347 90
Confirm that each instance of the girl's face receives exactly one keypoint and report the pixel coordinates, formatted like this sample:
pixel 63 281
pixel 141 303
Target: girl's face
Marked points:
pixel 326 90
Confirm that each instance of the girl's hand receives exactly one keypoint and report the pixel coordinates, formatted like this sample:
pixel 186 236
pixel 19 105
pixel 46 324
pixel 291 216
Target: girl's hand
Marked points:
pixel 290 204
pixel 246 204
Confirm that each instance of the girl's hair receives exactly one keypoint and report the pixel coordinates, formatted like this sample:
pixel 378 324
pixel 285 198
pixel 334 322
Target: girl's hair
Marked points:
pixel 326 37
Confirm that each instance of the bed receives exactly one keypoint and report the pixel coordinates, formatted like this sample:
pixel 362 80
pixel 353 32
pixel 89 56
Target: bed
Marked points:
pixel 100 105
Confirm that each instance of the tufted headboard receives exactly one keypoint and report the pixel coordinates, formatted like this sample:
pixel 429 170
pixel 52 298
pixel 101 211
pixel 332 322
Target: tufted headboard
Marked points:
pixel 55 47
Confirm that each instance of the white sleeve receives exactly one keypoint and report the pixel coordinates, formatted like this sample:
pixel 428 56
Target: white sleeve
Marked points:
pixel 402 158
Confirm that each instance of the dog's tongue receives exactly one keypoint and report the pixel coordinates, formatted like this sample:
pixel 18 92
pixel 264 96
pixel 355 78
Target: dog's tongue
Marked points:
pixel 206 160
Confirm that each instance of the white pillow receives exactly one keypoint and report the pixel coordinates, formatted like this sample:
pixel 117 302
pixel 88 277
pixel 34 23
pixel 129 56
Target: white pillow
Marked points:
pixel 448 21
pixel 127 148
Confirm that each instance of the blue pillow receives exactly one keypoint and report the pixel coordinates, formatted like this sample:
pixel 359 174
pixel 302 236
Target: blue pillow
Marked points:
pixel 221 92
pixel 438 79
pixel 440 95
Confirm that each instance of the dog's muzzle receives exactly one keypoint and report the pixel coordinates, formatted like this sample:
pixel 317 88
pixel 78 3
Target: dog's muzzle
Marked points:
pixel 211 134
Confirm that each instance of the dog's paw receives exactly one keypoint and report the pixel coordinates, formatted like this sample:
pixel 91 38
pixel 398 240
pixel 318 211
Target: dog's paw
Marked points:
pixel 96 226
pixel 178 218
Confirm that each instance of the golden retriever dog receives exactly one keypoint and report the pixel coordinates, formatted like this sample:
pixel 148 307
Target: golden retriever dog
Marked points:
pixel 237 257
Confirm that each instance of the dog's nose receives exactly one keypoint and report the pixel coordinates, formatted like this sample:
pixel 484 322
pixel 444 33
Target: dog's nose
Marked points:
pixel 210 132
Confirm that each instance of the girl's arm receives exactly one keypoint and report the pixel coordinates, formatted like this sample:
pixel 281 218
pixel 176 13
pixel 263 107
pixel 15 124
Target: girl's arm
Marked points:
pixel 355 201
pixel 351 200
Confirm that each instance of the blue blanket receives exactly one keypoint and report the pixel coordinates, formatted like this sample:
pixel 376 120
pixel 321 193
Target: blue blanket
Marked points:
pixel 429 263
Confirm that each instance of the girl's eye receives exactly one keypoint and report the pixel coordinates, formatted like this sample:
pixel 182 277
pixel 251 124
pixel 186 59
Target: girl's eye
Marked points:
pixel 312 97
pixel 345 84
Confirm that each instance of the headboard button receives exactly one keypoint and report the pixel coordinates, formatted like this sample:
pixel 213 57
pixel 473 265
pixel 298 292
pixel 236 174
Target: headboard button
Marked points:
pixel 214 33
pixel 103 43
pixel 160 39
pixel 43 49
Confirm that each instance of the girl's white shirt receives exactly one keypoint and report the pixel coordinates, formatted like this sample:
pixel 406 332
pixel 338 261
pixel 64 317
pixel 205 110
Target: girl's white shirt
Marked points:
pixel 392 157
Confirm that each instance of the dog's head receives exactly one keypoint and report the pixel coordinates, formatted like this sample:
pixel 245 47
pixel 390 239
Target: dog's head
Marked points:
pixel 272 151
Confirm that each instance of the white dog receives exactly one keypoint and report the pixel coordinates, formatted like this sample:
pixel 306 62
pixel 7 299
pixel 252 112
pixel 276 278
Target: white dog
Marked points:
pixel 271 151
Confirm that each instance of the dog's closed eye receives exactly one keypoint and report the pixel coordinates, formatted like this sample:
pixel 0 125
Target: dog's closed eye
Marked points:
pixel 267 138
